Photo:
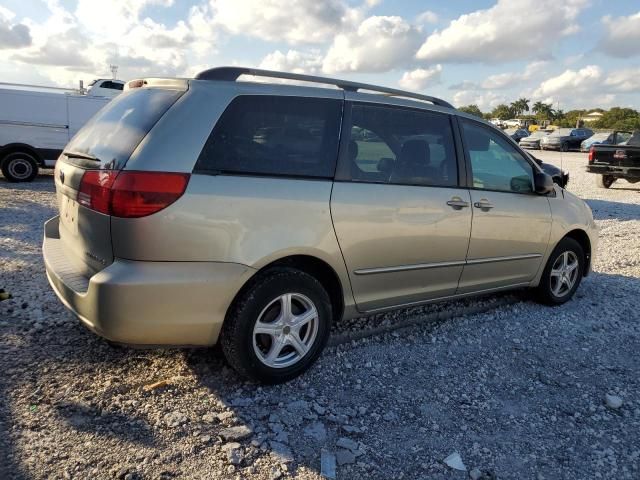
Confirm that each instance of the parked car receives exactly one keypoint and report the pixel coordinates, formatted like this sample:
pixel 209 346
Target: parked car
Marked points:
pixel 565 139
pixel 188 215
pixel 533 141
pixel 517 133
pixel 611 162
pixel 605 138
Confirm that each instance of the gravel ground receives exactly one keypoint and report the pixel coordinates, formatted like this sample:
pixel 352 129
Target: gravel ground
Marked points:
pixel 521 391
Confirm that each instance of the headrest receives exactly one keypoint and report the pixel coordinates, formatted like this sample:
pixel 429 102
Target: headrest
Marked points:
pixel 415 152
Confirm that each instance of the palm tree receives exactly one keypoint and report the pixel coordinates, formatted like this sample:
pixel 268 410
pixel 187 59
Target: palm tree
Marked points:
pixel 520 105
pixel 543 110
pixel 537 107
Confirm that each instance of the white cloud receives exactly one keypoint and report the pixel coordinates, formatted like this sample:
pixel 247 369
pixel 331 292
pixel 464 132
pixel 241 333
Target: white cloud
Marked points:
pixel 421 78
pixel 12 35
pixel 379 44
pixel 510 30
pixel 626 80
pixel 427 17
pixel 622 36
pixel 571 82
pixel 510 79
pixel 114 19
pixel 484 100
pixel 293 61
pixel 292 21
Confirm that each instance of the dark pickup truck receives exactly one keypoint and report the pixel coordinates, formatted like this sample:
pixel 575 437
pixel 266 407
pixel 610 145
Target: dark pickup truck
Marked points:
pixel 611 162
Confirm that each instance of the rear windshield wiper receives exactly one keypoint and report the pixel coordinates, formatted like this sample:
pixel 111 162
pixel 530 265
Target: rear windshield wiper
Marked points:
pixel 84 156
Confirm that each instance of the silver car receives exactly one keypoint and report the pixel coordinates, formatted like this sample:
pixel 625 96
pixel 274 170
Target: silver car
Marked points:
pixel 212 210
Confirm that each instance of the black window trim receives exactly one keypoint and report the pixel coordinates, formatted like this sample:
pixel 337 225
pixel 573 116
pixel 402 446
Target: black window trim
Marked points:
pixel 199 170
pixel 343 170
pixel 534 167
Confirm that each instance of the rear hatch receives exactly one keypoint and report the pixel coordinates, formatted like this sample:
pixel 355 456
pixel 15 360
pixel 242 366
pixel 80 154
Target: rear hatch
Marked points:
pixel 87 174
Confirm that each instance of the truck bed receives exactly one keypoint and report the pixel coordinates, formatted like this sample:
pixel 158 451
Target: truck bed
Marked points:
pixel 617 161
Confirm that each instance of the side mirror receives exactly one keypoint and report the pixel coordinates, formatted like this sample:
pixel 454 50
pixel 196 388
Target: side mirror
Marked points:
pixel 543 183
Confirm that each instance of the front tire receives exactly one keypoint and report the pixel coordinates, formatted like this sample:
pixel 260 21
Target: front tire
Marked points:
pixel 562 274
pixel 278 326
pixel 605 181
pixel 19 167
pixel 565 147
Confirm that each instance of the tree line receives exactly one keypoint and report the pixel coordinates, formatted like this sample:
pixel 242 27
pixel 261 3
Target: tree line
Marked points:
pixel 617 118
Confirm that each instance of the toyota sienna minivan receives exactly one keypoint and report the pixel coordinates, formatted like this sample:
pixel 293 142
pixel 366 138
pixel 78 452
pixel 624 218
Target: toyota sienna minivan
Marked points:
pixel 255 214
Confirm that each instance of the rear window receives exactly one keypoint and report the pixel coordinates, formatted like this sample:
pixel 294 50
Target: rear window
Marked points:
pixel 275 135
pixel 116 130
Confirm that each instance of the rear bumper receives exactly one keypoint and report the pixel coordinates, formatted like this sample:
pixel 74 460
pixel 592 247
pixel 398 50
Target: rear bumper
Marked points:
pixel 614 171
pixel 146 303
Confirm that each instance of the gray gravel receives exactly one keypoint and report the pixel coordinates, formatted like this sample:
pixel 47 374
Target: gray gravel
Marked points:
pixel 520 391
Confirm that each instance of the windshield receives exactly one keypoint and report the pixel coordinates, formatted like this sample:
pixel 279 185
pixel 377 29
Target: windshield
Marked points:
pixel 114 132
pixel 600 136
pixel 561 132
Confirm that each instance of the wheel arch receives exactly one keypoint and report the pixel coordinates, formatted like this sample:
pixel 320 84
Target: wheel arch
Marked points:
pixel 20 147
pixel 582 238
pixel 314 266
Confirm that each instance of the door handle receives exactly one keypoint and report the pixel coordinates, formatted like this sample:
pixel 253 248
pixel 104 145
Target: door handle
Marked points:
pixel 483 205
pixel 457 203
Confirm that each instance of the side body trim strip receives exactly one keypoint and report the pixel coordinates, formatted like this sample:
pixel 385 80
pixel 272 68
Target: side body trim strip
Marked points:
pixel 424 266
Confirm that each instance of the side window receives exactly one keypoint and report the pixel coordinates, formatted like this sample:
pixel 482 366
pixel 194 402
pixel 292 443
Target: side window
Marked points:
pixel 275 135
pixel 622 137
pixel 401 146
pixel 495 163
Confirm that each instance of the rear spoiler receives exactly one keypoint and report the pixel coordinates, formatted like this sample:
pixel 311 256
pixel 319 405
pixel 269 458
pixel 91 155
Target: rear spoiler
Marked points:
pixel 168 83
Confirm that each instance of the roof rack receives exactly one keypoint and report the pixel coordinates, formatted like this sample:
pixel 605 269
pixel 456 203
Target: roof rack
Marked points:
pixel 232 73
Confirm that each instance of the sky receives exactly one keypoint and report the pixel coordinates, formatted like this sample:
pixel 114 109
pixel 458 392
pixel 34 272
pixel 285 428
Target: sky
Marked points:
pixel 571 53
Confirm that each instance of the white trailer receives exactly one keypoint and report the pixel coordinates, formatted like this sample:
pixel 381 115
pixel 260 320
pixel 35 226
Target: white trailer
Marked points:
pixel 35 125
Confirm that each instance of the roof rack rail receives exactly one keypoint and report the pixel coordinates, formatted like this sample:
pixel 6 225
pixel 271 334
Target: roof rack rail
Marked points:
pixel 232 73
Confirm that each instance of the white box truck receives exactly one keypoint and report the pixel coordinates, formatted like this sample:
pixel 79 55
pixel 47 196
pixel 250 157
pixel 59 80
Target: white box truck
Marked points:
pixel 35 125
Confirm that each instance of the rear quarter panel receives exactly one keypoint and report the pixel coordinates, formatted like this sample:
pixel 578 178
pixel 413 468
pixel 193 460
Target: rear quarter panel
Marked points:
pixel 240 219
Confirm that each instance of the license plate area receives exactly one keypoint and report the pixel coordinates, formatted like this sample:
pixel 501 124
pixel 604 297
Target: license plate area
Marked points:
pixel 69 214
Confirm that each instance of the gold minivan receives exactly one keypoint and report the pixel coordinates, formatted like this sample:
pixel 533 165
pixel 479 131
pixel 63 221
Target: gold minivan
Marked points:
pixel 254 214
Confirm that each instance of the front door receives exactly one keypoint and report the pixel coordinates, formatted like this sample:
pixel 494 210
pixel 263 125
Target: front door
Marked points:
pixel 511 223
pixel 401 219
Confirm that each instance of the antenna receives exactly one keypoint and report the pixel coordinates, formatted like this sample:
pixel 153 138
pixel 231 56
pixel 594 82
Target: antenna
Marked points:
pixel 114 71
pixel 561 154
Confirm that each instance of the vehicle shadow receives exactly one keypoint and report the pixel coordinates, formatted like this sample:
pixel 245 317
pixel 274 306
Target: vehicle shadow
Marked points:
pixel 606 209
pixel 92 399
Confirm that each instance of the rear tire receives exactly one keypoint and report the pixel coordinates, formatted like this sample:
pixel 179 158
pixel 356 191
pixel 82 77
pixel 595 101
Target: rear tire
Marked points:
pixel 19 167
pixel 605 181
pixel 562 274
pixel 268 342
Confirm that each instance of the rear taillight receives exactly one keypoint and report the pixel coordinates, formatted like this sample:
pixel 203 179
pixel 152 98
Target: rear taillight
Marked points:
pixel 95 190
pixel 591 154
pixel 130 194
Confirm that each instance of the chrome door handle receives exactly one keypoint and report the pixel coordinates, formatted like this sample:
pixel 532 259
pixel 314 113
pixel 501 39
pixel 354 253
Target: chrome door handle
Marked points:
pixel 457 203
pixel 483 205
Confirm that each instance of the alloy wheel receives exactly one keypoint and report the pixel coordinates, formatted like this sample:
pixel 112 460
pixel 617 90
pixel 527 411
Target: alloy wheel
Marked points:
pixel 564 273
pixel 285 330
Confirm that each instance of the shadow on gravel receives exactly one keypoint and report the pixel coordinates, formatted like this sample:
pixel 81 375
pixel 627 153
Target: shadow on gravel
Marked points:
pixel 88 418
pixel 605 210
pixel 42 183
pixel 294 421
